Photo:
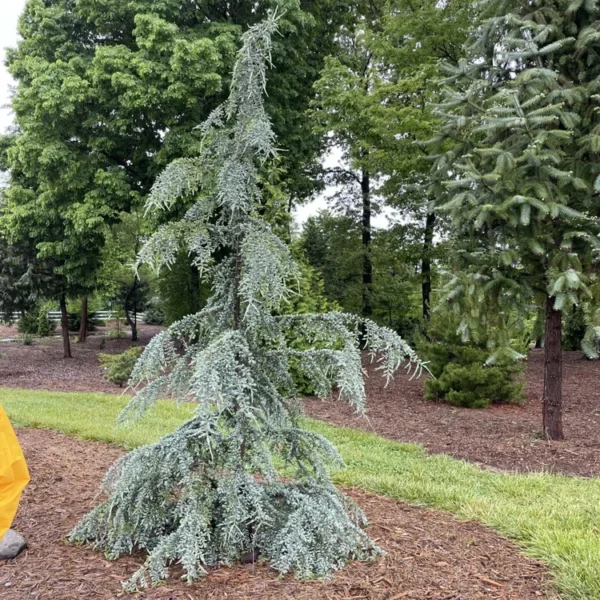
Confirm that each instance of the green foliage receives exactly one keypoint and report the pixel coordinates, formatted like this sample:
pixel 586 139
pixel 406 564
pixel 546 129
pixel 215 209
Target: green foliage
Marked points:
pixel 575 328
pixel 519 137
pixel 27 339
pixel 308 299
pixel 154 314
pixel 180 290
pixel 93 322
pixel 45 327
pixel 37 322
pixel 462 373
pixel 28 323
pixel 118 367
pixel 332 246
pixel 110 92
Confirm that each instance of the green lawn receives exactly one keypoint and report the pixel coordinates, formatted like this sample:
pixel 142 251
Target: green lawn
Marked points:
pixel 555 519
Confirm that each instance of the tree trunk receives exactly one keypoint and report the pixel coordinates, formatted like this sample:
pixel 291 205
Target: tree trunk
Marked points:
pixel 64 321
pixel 131 322
pixel 426 265
pixel 367 276
pixel 552 400
pixel 83 327
pixel 195 289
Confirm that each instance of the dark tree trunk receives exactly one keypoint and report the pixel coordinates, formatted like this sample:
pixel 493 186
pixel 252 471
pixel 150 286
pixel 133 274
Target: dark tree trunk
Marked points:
pixel 426 265
pixel 64 322
pixel 195 289
pixel 552 400
pixel 367 276
pixel 131 322
pixel 83 327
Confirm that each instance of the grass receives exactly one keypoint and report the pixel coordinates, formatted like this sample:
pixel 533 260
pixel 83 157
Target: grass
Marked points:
pixel 555 519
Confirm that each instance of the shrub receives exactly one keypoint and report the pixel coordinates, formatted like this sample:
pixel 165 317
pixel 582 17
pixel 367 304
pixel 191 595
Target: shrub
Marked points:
pixel 154 314
pixel 27 339
pixel 462 375
pixel 575 328
pixel 75 321
pixel 28 323
pixel 118 367
pixel 45 327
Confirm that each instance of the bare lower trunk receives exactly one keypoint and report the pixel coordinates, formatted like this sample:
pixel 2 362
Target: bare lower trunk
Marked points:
pixel 132 322
pixel 552 400
pixel 64 322
pixel 367 275
pixel 426 265
pixel 83 328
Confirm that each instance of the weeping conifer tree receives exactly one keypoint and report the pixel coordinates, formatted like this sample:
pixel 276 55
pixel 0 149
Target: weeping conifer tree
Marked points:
pixel 242 475
pixel 521 113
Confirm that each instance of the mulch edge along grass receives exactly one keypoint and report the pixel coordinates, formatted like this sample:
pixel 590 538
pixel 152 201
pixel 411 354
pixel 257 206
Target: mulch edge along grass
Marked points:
pixel 553 518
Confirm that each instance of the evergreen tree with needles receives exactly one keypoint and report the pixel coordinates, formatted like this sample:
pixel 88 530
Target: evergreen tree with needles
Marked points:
pixel 242 475
pixel 521 116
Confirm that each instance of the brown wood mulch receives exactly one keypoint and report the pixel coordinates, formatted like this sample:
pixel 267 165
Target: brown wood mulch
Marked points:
pixel 42 367
pixel 502 437
pixel 430 554
pixel 505 437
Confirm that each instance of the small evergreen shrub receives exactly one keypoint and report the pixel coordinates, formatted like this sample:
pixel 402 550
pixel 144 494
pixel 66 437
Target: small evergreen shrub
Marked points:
pixel 45 327
pixel 118 367
pixel 75 321
pixel 461 375
pixel 27 339
pixel 154 314
pixel 28 323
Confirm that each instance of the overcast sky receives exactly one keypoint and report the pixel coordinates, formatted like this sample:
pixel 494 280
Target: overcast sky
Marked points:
pixel 9 14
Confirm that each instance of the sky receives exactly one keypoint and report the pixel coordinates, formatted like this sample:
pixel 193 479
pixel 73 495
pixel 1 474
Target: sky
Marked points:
pixel 9 14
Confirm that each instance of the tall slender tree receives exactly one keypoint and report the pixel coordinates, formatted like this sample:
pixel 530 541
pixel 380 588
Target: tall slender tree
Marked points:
pixel 522 121
pixel 242 475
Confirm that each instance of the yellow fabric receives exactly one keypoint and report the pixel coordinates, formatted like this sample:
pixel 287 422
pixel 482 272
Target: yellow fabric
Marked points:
pixel 14 475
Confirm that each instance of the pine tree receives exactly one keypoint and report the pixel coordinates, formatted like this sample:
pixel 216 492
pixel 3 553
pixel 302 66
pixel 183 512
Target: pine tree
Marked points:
pixel 521 113
pixel 242 475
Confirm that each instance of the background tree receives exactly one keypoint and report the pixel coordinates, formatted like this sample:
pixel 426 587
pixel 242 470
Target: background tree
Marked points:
pixel 374 102
pixel 213 489
pixel 521 114
pixel 332 245
pixel 108 93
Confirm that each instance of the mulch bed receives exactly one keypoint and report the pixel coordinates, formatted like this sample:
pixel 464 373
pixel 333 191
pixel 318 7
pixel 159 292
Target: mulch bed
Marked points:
pixel 430 555
pixel 42 367
pixel 501 437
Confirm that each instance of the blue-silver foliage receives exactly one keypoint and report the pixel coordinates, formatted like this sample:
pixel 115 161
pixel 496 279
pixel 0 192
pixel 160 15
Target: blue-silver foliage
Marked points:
pixel 242 475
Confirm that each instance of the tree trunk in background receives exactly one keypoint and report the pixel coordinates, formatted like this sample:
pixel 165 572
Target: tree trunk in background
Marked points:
pixel 131 322
pixel 83 327
pixel 367 278
pixel 64 322
pixel 195 289
pixel 426 265
pixel 552 400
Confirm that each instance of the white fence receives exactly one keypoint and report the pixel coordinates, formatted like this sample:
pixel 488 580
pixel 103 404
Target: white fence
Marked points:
pixel 54 315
